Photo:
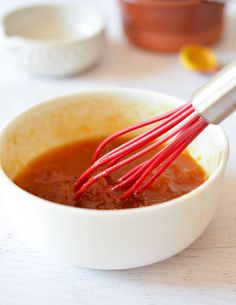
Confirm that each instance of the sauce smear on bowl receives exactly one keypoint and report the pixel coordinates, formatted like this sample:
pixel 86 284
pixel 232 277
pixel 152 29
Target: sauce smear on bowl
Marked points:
pixel 52 175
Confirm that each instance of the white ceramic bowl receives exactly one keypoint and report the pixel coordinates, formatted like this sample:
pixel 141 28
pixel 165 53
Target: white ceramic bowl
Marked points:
pixel 53 40
pixel 114 239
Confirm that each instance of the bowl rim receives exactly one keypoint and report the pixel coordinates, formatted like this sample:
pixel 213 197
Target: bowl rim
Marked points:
pixel 183 199
pixel 53 41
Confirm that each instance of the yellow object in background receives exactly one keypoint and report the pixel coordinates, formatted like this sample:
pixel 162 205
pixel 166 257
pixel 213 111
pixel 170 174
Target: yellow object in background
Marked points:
pixel 198 58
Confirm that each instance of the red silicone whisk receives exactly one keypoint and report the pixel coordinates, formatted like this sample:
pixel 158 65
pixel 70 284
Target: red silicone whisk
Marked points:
pixel 175 129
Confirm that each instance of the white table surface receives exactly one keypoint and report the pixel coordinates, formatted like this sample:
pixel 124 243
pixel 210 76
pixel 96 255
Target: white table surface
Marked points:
pixel 205 273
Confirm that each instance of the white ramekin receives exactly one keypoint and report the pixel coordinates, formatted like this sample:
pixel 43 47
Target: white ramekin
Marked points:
pixel 115 239
pixel 53 40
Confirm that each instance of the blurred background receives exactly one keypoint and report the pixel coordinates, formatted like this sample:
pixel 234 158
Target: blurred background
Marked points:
pixel 122 64
pixel 206 272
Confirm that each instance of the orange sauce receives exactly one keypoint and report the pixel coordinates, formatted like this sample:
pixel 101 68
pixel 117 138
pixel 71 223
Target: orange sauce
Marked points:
pixel 52 175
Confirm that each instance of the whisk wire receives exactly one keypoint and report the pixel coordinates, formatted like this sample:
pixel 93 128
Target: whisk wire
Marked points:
pixel 162 140
pixel 168 154
pixel 148 136
pixel 171 159
pixel 136 142
pixel 180 126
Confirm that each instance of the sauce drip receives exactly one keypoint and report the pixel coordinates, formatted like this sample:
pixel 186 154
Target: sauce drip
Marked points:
pixel 52 175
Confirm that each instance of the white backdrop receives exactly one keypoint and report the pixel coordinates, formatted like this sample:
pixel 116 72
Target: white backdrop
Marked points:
pixel 205 273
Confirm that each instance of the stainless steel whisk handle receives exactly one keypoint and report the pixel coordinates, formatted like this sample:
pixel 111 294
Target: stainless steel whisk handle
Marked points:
pixel 217 98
